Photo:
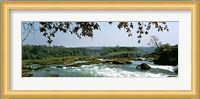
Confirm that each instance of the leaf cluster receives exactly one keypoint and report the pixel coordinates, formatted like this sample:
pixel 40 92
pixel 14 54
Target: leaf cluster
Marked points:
pixel 86 29
pixel 49 29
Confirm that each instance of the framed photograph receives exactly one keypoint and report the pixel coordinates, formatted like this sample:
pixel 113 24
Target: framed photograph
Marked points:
pixel 100 49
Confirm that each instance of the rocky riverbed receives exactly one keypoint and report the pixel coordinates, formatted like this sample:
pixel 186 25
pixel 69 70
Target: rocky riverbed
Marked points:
pixel 91 67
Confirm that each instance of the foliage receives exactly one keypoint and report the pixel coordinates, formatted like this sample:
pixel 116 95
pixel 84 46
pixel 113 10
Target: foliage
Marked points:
pixel 119 52
pixel 155 41
pixel 44 61
pixel 42 51
pixel 168 55
pixel 36 53
pixel 122 54
pixel 85 29
pixel 108 50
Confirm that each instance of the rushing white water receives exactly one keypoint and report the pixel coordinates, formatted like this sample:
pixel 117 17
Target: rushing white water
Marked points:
pixel 119 72
pixel 107 70
pixel 167 67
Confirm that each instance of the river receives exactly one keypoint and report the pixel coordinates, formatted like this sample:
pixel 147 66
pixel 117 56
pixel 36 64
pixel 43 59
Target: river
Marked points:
pixel 105 70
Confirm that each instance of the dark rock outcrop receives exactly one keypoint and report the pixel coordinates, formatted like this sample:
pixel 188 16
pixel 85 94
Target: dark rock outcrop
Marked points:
pixel 168 55
pixel 118 61
pixel 121 62
pixel 138 59
pixel 164 61
pixel 143 66
pixel 175 69
pixel 25 74
pixel 58 66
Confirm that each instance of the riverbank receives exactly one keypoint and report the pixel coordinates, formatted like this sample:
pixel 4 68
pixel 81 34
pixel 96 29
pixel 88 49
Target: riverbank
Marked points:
pixel 69 62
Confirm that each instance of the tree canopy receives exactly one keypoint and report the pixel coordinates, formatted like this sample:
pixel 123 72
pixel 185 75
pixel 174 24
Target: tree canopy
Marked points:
pixel 86 29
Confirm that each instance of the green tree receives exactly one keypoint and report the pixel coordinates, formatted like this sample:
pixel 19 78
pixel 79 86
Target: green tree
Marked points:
pixel 168 55
pixel 155 42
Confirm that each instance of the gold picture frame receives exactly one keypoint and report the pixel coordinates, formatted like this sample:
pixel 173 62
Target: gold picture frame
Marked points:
pixel 89 5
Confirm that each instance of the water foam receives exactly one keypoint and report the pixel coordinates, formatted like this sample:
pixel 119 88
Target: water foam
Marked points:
pixel 117 72
pixel 170 68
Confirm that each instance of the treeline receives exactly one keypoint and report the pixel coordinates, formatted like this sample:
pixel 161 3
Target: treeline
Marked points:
pixel 120 52
pixel 43 51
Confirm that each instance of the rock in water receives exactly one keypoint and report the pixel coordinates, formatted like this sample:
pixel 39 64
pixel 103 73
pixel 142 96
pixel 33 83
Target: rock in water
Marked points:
pixel 118 61
pixel 58 66
pixel 175 69
pixel 143 66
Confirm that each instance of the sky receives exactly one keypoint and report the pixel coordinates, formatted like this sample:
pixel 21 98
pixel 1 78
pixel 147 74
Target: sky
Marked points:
pixel 109 35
